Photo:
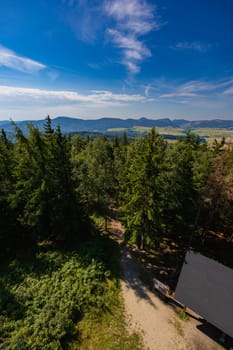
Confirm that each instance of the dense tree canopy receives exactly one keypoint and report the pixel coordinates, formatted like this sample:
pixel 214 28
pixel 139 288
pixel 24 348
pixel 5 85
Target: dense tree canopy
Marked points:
pixel 169 196
pixel 50 184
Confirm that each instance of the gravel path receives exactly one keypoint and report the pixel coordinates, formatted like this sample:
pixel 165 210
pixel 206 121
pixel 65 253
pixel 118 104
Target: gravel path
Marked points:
pixel 157 321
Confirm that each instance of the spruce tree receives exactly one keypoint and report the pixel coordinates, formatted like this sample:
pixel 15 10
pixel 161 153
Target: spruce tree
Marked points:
pixel 44 192
pixel 9 229
pixel 141 207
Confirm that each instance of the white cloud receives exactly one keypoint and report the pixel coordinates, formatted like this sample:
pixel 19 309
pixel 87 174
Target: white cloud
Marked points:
pixel 129 43
pixel 132 67
pixel 130 21
pixel 178 94
pixel 195 46
pixel 10 59
pixel 147 89
pixel 228 91
pixel 84 17
pixel 197 88
pixel 133 19
pixel 134 50
pixel 29 96
pixel 134 15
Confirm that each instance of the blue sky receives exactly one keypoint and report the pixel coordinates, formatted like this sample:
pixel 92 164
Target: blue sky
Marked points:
pixel 119 58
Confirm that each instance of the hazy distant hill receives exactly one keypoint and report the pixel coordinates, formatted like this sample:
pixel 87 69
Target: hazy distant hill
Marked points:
pixel 68 124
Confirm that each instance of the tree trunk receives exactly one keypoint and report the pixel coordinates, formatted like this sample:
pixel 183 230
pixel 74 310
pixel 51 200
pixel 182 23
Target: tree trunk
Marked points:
pixel 230 238
pixel 142 242
pixel 106 224
pixel 197 216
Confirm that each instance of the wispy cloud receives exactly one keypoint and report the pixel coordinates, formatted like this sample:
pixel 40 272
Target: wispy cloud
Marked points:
pixel 84 17
pixel 194 46
pixel 228 91
pixel 38 96
pixel 130 21
pixel 10 59
pixel 134 15
pixel 197 89
pixel 133 19
pixel 134 50
pixel 147 89
pixel 178 94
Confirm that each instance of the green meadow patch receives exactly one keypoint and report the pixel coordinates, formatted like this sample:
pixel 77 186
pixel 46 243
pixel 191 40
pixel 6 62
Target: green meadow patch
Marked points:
pixel 208 134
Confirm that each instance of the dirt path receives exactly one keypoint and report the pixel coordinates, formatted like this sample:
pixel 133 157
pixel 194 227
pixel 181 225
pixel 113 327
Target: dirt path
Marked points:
pixel 157 321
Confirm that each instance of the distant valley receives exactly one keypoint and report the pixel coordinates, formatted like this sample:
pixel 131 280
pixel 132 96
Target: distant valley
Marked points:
pixel 170 129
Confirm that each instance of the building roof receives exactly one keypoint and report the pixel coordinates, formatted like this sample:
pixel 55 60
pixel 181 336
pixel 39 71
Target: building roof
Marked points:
pixel 206 287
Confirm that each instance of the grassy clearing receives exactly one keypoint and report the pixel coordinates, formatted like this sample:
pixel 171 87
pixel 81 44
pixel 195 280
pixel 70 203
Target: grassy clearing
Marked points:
pixel 141 129
pixel 161 130
pixel 171 131
pixel 106 331
pixel 213 132
pixel 64 298
pixel 209 134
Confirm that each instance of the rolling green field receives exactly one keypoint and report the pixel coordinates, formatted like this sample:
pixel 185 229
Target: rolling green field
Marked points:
pixel 215 134
pixel 161 131
pixel 209 134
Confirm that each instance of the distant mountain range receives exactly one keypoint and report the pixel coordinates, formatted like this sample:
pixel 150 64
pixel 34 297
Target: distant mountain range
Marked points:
pixel 103 125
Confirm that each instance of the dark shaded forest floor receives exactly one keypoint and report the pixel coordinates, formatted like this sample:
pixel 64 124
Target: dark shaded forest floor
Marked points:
pixel 165 261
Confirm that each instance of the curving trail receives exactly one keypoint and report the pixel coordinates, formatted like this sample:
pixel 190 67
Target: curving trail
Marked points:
pixel 157 321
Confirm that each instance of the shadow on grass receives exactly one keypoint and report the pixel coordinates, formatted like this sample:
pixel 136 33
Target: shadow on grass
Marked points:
pixel 48 256
pixel 9 305
pixel 46 259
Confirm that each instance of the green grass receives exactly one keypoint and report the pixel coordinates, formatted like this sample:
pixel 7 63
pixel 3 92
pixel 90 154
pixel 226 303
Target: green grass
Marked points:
pixel 213 132
pixel 140 129
pixel 64 298
pixel 171 131
pixel 182 315
pixel 106 331
pixel 209 134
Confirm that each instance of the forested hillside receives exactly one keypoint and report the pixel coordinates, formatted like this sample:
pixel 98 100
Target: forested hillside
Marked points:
pixel 69 124
pixel 56 268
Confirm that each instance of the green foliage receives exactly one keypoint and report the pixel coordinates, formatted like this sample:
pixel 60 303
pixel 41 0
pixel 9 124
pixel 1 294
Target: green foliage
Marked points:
pixel 183 315
pixel 142 192
pixel 180 189
pixel 42 299
pixel 107 331
pixel 43 191
pixel 94 173
pixel 7 214
pixel 48 187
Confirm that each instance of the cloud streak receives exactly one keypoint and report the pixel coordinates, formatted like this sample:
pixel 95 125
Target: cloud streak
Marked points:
pixel 193 46
pixel 84 17
pixel 228 91
pixel 41 96
pixel 133 19
pixel 198 89
pixel 10 59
